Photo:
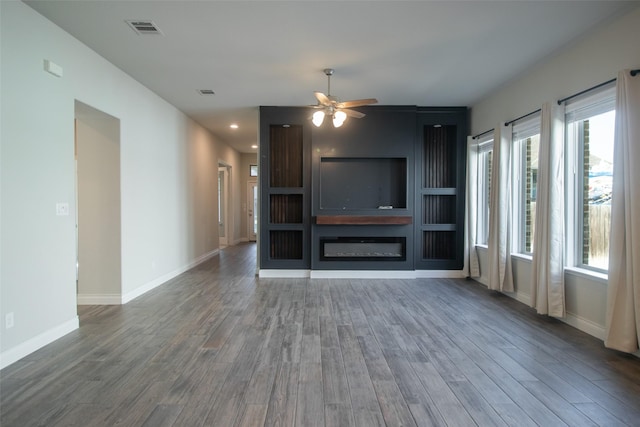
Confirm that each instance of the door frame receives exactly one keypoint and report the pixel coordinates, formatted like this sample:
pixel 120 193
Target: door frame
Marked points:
pixel 223 203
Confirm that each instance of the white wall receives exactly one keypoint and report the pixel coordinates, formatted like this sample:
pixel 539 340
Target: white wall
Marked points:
pixel 168 179
pixel 586 63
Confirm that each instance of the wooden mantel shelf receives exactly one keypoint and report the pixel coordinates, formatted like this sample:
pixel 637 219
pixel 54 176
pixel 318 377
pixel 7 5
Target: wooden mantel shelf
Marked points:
pixel 363 220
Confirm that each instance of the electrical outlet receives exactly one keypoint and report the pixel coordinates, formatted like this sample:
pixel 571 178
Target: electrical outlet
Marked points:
pixel 8 320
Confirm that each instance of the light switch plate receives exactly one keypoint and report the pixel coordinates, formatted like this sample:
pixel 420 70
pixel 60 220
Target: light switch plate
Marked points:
pixel 62 209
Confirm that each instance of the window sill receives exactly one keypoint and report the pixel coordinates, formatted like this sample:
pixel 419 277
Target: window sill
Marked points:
pixel 523 257
pixel 587 274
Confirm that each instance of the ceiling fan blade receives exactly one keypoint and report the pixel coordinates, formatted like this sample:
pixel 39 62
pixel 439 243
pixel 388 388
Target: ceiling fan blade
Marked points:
pixel 322 98
pixel 353 113
pixel 357 103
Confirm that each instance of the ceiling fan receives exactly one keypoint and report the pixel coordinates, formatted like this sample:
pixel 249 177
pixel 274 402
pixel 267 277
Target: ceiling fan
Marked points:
pixel 331 106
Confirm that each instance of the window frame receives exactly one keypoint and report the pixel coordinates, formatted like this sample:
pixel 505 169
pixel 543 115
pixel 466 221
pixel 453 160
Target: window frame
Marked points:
pixel 484 149
pixel 522 134
pixel 576 112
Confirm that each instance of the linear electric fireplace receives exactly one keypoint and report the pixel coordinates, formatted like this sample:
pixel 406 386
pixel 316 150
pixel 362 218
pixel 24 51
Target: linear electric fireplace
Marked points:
pixel 363 249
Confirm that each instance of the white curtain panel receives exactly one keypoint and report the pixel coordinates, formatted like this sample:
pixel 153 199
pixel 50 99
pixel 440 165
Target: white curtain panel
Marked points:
pixel 623 299
pixel 547 269
pixel 499 256
pixel 471 266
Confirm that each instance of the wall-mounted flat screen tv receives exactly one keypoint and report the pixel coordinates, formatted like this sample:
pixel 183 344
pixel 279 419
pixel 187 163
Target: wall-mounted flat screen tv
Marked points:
pixel 363 183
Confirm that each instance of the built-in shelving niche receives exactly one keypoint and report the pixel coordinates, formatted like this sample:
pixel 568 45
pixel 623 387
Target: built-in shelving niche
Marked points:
pixel 440 197
pixel 439 209
pixel 285 156
pixel 362 183
pixel 285 245
pixel 285 208
pixel 284 187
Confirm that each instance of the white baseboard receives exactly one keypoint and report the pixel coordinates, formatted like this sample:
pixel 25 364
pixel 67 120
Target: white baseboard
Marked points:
pixel 295 274
pixel 166 277
pixel 440 274
pixel 99 299
pixel 24 349
pixel 360 274
pixel 363 274
pixel 519 296
pixel 585 325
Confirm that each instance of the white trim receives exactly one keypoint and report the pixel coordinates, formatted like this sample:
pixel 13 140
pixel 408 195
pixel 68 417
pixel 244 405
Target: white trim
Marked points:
pixel 594 276
pixel 99 299
pixel 363 274
pixel 295 274
pixel 522 256
pixel 520 297
pixel 580 323
pixel 440 274
pixel 585 325
pixel 24 349
pixel 162 279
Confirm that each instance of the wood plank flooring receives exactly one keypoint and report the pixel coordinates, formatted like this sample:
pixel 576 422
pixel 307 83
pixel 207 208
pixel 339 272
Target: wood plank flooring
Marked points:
pixel 217 346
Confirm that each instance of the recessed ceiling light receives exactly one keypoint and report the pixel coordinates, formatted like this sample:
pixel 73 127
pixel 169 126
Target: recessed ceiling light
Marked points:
pixel 233 126
pixel 206 92
pixel 254 146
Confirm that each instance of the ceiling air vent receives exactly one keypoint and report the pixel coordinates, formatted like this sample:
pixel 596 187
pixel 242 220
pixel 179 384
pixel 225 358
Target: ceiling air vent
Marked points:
pixel 206 92
pixel 144 27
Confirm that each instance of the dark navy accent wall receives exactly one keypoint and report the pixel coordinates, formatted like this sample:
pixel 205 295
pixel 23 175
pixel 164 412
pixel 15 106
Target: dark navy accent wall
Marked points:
pixel 378 173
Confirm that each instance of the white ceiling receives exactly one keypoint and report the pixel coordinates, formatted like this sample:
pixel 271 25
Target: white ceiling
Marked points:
pixel 252 53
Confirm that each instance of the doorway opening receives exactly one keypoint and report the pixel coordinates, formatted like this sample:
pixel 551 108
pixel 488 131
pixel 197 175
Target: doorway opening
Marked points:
pixel 252 210
pixel 98 229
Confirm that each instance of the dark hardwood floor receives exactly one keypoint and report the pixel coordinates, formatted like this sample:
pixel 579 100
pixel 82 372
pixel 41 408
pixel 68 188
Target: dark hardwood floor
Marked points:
pixel 217 346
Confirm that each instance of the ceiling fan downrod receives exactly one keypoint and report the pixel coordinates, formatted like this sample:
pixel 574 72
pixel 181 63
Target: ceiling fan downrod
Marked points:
pixel 328 72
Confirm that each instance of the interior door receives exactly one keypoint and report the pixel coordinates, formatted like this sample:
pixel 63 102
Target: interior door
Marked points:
pixel 252 211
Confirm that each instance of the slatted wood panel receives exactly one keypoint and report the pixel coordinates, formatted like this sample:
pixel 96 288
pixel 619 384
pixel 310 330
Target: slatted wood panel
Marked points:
pixel 439 209
pixel 218 347
pixel 285 244
pixel 439 157
pixel 285 208
pixel 285 156
pixel 438 245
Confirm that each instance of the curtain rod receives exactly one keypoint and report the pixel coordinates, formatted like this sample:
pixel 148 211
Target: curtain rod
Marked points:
pixel 560 101
pixel 522 117
pixel 483 133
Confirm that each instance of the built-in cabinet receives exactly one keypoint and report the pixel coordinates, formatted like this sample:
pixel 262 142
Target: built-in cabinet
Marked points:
pixel 440 195
pixel 284 190
pixel 385 192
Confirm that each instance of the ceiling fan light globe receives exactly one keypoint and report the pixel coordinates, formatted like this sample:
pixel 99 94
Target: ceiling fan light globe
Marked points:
pixel 318 118
pixel 338 118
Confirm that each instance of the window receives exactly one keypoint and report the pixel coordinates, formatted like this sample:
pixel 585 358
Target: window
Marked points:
pixel 485 158
pixel 526 143
pixel 590 123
